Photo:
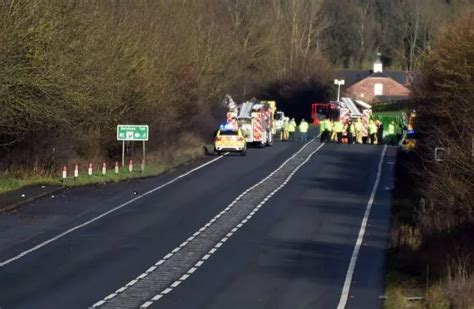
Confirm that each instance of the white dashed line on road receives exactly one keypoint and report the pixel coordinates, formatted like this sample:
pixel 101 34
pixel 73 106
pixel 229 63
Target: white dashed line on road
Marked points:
pixel 220 243
pixel 214 220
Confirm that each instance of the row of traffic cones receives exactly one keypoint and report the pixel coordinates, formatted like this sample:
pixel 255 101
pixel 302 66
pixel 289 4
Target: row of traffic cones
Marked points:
pixel 103 169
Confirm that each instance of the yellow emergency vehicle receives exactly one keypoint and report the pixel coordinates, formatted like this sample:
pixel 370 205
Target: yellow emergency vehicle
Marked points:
pixel 229 139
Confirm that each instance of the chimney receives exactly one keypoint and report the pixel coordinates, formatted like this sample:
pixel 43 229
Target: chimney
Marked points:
pixel 378 66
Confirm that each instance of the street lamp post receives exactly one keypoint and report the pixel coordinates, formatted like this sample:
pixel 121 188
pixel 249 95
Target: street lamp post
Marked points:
pixel 338 82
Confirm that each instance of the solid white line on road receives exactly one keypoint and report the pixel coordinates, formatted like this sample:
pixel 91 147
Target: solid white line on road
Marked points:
pixel 22 254
pixel 203 228
pixel 360 238
pixel 219 243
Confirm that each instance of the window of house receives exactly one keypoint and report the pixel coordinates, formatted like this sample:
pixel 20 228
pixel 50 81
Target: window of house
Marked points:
pixel 378 89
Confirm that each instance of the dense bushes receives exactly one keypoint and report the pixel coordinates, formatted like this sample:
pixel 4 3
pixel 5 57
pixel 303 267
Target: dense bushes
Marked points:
pixel 445 120
pixel 71 70
pixel 433 221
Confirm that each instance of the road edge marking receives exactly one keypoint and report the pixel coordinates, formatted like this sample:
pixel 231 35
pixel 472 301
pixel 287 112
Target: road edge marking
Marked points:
pixel 69 231
pixel 360 238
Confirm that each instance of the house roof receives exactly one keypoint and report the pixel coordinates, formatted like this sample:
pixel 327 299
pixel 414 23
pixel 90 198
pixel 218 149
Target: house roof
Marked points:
pixel 353 76
pixel 384 98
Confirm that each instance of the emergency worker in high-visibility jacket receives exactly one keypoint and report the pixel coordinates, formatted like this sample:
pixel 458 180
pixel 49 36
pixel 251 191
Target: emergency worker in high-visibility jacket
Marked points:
pixel 329 127
pixel 398 132
pixel 284 130
pixel 303 127
pixel 372 132
pixel 391 133
pixel 350 131
pixel 337 129
pixel 292 129
pixel 322 130
pixel 358 131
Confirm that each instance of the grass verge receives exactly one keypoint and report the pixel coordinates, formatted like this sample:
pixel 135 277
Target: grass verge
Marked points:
pixel 424 270
pixel 157 165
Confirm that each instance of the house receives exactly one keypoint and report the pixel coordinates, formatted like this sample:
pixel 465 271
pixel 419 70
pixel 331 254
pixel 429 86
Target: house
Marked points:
pixel 377 85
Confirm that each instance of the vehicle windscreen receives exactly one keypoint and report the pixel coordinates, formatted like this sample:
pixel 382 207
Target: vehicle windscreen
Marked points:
pixel 229 132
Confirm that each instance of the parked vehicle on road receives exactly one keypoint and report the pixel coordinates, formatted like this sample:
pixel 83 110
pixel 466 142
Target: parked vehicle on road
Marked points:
pixel 229 139
pixel 255 119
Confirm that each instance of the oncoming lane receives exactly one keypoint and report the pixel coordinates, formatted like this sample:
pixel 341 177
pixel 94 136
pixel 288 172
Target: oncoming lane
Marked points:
pixel 296 251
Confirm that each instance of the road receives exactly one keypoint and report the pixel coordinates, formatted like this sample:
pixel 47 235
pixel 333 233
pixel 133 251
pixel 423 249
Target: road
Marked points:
pixel 275 229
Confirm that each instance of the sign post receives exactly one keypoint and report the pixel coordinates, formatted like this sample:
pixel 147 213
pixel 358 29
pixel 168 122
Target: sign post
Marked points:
pixel 123 153
pixel 143 159
pixel 132 132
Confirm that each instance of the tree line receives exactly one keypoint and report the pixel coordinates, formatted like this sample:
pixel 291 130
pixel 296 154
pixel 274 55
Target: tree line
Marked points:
pixel 435 221
pixel 70 71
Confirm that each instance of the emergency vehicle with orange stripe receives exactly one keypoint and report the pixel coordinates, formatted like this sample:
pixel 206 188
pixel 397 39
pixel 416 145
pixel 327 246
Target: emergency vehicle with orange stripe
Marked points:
pixel 344 110
pixel 255 120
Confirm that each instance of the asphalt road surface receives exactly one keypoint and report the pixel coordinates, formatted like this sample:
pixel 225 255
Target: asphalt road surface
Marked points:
pixel 288 226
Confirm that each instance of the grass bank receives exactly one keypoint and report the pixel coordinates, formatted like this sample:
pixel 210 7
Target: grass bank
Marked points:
pixel 424 269
pixel 157 164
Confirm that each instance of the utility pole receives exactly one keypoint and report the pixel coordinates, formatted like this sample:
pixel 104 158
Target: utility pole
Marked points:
pixel 338 82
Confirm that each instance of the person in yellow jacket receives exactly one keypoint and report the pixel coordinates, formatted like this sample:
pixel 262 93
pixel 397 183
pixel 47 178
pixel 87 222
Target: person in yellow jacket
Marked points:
pixel 372 132
pixel 322 130
pixel 303 127
pixel 337 129
pixel 284 130
pixel 358 131
pixel 292 129
pixel 329 127
pixel 350 131
pixel 391 133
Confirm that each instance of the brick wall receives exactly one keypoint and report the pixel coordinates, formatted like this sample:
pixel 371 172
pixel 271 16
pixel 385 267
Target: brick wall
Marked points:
pixel 364 89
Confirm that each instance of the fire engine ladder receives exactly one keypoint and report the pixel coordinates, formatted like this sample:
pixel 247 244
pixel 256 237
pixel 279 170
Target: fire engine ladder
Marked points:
pixel 245 110
pixel 352 107
pixel 363 104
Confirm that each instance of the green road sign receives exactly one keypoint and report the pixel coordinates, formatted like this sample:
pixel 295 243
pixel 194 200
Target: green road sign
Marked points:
pixel 130 132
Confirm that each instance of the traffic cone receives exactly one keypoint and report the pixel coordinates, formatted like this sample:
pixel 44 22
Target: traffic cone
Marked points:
pixel 89 170
pixel 76 171
pixel 64 173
